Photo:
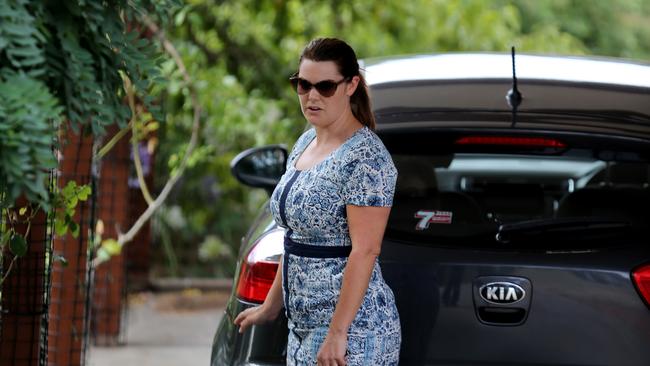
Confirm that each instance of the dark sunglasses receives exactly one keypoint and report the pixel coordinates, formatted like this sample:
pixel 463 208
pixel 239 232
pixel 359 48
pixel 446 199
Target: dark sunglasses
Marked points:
pixel 326 88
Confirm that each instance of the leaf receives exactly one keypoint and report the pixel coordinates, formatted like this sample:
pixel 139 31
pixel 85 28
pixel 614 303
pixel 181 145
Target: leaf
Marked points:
pixel 31 62
pixel 18 29
pixel 60 226
pixel 26 52
pixel 84 192
pixel 18 245
pixel 152 126
pixel 72 202
pixel 74 229
pixel 22 211
pixel 112 247
pixel 69 188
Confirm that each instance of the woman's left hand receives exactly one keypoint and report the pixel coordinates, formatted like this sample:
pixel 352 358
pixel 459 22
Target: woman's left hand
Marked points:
pixel 332 351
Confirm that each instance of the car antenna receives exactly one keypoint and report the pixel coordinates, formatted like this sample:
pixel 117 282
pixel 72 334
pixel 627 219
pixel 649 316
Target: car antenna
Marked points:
pixel 514 96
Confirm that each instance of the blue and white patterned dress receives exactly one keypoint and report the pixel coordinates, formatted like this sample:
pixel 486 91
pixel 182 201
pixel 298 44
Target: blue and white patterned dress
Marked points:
pixel 310 204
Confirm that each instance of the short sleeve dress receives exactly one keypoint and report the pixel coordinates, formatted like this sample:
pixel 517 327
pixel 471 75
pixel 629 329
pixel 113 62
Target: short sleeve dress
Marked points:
pixel 311 205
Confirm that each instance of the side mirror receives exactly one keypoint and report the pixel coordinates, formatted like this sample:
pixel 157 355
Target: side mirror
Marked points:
pixel 260 167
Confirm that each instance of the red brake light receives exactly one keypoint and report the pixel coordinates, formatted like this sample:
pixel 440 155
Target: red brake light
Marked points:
pixel 260 267
pixel 510 140
pixel 641 278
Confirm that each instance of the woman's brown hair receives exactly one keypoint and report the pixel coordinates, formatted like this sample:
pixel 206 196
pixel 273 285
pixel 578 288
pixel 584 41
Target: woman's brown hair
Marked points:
pixel 336 50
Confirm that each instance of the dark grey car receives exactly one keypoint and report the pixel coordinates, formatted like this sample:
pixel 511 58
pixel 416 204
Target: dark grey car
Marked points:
pixel 519 232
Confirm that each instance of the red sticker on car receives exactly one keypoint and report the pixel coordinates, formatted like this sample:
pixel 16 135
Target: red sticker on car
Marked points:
pixel 432 217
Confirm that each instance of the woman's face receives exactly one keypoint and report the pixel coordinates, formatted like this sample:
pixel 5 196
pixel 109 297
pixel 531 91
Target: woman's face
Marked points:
pixel 319 110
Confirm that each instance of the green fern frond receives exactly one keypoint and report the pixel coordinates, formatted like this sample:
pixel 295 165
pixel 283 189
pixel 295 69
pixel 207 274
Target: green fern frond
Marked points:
pixel 20 38
pixel 29 117
pixel 64 59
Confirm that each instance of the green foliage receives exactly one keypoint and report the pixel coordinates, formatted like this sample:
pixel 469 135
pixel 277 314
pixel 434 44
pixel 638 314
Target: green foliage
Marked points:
pixel 63 60
pixel 62 64
pixel 4 239
pixel 28 124
pixel 93 46
pixel 18 246
pixel 20 38
pixel 65 203
pixel 612 28
pixel 165 221
pixel 213 248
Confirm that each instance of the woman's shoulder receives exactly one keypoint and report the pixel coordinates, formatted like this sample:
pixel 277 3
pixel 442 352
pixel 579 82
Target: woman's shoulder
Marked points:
pixel 365 144
pixel 304 139
pixel 369 175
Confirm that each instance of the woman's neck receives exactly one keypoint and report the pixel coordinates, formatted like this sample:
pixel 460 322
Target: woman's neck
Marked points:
pixel 337 132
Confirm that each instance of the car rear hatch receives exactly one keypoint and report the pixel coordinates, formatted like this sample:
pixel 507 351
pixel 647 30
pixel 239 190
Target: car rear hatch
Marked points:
pixel 518 246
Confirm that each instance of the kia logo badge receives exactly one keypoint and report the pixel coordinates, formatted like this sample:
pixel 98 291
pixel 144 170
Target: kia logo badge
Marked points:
pixel 502 293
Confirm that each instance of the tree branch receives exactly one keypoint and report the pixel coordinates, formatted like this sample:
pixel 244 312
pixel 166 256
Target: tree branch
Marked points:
pixel 124 238
pixel 135 145
pixel 110 144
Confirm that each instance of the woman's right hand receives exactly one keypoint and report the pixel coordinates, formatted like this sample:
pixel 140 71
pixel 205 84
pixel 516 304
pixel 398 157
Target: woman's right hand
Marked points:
pixel 254 316
pixel 266 312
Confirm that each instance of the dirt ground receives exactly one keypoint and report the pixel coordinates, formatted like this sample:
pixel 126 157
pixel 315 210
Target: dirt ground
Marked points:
pixel 165 329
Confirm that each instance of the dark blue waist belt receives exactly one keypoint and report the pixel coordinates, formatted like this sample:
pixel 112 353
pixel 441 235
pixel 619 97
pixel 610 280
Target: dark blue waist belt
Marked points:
pixel 315 251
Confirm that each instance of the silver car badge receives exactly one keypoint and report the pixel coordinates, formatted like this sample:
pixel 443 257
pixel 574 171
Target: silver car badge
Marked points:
pixel 502 293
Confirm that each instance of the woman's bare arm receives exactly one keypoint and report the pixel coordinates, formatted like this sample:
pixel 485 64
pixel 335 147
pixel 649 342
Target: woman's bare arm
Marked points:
pixel 366 226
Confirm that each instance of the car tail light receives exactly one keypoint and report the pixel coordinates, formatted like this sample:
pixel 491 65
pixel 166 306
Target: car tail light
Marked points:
pixel 260 266
pixel 641 278
pixel 510 140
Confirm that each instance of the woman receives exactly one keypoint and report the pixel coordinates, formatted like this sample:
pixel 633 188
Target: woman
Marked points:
pixel 334 200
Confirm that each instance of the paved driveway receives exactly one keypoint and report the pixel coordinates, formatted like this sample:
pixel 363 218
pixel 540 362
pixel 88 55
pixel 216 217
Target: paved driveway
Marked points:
pixel 167 329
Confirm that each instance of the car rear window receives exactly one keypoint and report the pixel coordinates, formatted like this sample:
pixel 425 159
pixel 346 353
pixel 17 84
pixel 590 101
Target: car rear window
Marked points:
pixel 457 197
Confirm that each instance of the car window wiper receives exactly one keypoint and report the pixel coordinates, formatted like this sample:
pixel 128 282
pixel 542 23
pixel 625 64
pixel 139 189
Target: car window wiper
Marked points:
pixel 573 227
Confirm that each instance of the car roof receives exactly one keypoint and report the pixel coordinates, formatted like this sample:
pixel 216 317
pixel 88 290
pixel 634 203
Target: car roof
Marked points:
pixel 572 94
pixel 457 66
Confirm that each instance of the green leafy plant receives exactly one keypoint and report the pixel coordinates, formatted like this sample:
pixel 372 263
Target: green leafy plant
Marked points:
pixel 62 68
pixel 27 130
pixel 64 61
pixel 63 205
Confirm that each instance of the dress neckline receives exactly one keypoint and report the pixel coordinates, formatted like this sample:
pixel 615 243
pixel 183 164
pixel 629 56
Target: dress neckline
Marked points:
pixel 331 153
